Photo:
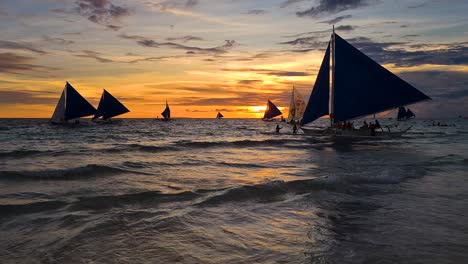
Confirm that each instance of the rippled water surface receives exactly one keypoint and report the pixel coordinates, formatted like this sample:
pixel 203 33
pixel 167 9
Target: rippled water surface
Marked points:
pixel 230 191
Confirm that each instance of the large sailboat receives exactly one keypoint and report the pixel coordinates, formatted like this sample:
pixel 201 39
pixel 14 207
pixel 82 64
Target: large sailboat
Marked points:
pixel 109 107
pixel 166 113
pixel 271 111
pixel 356 87
pixel 70 107
pixel 297 107
pixel 404 114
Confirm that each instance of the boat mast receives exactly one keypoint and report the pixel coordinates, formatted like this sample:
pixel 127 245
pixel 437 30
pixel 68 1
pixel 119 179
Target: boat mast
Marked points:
pixel 332 88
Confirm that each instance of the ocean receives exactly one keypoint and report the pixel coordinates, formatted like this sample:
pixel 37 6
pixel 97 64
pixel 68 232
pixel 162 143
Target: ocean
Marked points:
pixel 230 191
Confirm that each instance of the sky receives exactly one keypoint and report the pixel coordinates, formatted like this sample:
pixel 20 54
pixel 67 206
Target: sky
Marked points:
pixel 205 56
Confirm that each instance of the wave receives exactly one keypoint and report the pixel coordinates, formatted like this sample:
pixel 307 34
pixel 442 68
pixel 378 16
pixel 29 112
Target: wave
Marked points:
pixel 24 153
pixel 239 143
pixel 15 209
pixel 266 192
pixel 90 170
pixel 109 201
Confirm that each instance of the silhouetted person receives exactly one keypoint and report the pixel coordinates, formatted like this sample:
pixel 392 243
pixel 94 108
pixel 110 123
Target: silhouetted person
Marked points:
pixel 365 125
pixel 377 124
pixel 294 128
pixel 278 128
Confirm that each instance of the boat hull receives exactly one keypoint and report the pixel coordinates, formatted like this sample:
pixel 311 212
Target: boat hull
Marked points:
pixel 353 133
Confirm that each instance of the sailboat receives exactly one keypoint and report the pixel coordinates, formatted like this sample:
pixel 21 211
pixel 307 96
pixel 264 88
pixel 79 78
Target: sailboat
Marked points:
pixel 271 111
pixel 357 87
pixel 219 115
pixel 70 107
pixel 109 107
pixel 296 107
pixel 166 113
pixel 404 113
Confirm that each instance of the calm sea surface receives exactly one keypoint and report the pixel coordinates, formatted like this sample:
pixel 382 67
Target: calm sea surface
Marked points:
pixel 230 191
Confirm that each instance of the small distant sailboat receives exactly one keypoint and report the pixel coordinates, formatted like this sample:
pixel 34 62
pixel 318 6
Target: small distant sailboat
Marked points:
pixel 219 115
pixel 70 107
pixel 271 111
pixel 109 107
pixel 166 113
pixel 297 107
pixel 356 87
pixel 404 114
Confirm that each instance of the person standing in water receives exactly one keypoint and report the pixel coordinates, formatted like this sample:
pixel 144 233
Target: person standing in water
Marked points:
pixel 278 128
pixel 294 128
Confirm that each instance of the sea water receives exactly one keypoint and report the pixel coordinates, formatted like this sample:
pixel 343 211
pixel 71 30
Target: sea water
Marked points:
pixel 230 191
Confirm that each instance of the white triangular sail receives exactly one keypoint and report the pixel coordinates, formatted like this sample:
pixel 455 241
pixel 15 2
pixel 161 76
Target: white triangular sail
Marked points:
pixel 59 113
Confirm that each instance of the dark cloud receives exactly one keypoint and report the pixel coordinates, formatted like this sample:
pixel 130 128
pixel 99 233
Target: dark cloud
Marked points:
pixel 113 27
pixel 72 33
pixel 331 7
pixel 20 46
pixel 257 12
pixel 102 12
pixel 345 28
pixel 249 82
pixel 94 55
pixel 290 2
pixel 227 110
pixel 301 41
pixel 13 63
pixel 418 5
pixel 146 42
pixel 185 39
pixel 58 41
pixel 336 19
pixel 410 36
pixel 269 72
pixel 191 3
pixel 26 97
pixel 317 32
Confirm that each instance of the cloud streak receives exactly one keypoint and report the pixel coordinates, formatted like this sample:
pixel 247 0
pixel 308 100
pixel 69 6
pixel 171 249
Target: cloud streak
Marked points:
pixel 20 46
pixel 102 12
pixel 331 7
pixel 150 43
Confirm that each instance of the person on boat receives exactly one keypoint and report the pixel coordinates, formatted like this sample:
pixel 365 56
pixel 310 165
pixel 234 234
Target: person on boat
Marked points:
pixel 372 129
pixel 365 125
pixel 282 119
pixel 294 128
pixel 377 124
pixel 278 128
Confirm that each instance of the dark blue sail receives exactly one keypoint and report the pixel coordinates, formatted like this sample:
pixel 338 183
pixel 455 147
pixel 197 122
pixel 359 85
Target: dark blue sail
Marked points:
pixel 109 107
pixel 401 113
pixel 409 113
pixel 318 101
pixel 167 112
pixel 271 111
pixel 75 105
pixel 363 87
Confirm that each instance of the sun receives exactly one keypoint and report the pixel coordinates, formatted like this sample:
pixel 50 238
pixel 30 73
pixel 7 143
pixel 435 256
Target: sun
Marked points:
pixel 257 109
